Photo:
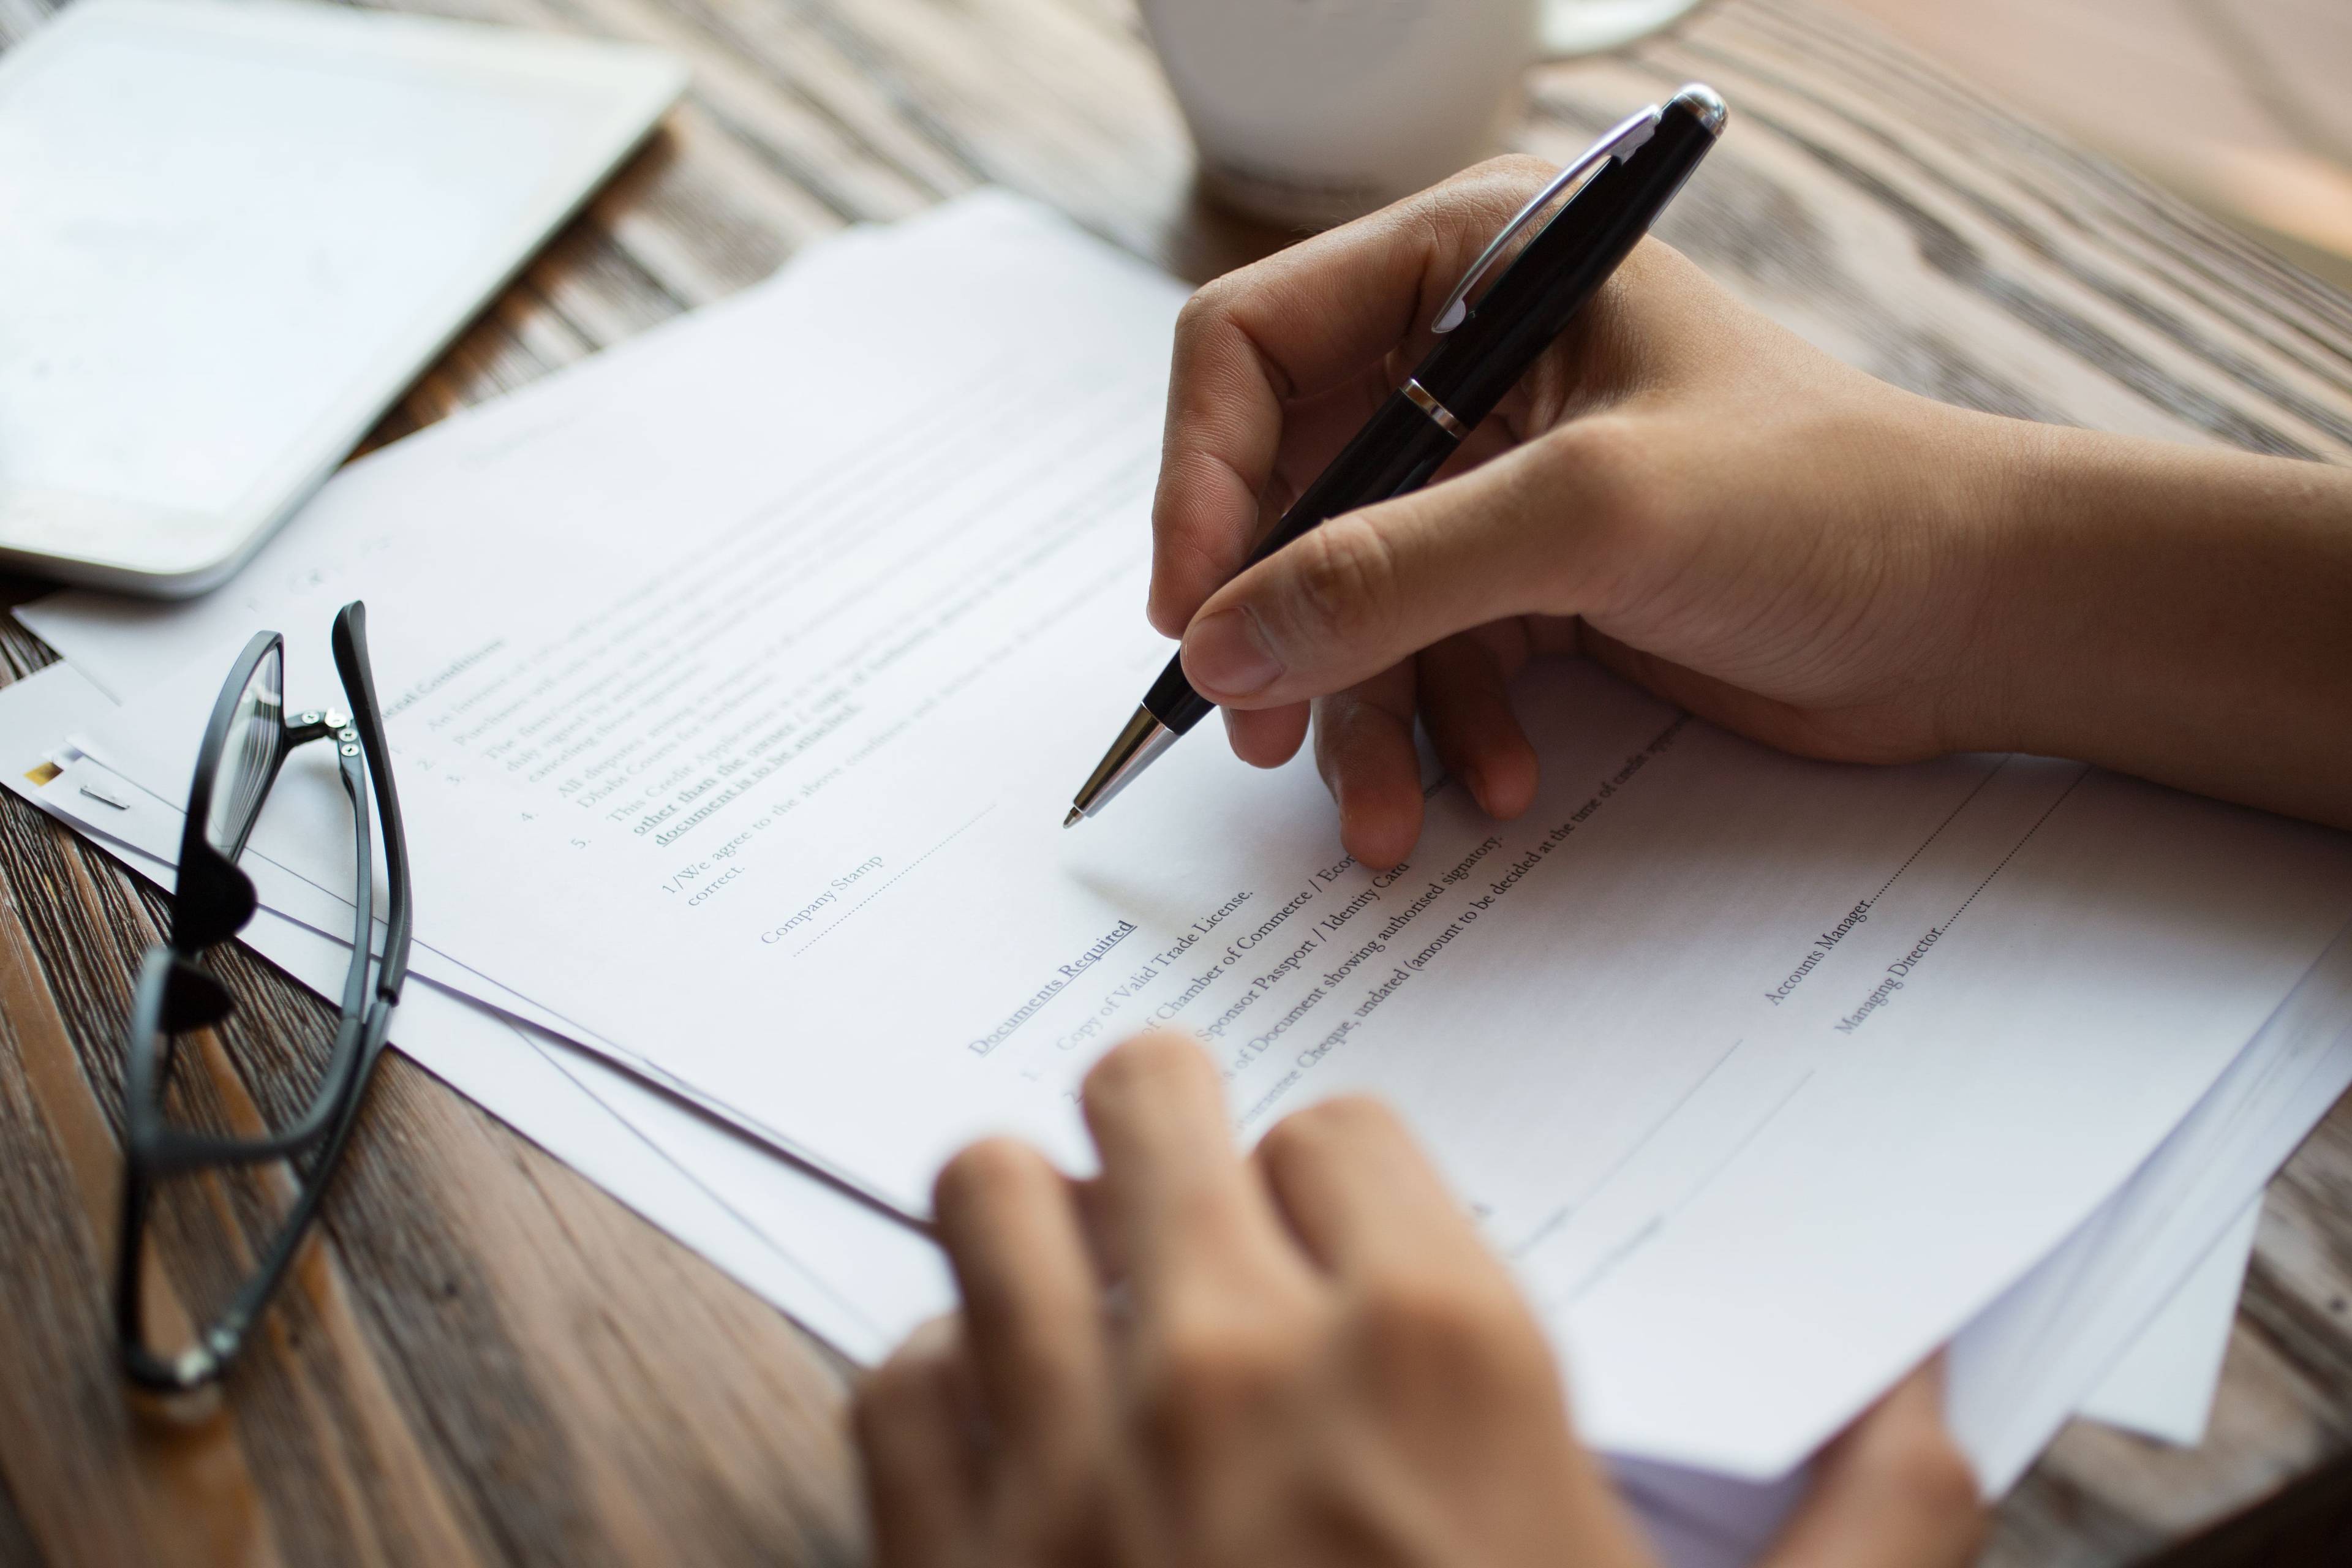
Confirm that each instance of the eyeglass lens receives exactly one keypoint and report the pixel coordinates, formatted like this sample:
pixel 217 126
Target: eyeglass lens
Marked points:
pixel 243 771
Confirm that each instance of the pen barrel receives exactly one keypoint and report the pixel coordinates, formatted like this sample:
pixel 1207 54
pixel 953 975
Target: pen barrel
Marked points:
pixel 1397 450
pixel 1173 701
pixel 1474 367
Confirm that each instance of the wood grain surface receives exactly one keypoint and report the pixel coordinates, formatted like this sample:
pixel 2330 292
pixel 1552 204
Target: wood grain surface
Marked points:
pixel 485 1360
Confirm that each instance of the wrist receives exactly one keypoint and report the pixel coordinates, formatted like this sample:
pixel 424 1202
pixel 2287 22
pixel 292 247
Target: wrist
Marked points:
pixel 2026 560
pixel 1993 575
pixel 2172 611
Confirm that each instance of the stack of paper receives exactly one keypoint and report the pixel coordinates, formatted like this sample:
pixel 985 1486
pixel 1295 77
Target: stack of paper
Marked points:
pixel 736 682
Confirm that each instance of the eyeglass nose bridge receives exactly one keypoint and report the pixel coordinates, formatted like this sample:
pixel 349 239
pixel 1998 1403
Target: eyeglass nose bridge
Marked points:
pixel 316 724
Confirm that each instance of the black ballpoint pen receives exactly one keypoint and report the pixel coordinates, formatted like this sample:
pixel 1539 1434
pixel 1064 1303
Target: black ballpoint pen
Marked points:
pixel 1629 176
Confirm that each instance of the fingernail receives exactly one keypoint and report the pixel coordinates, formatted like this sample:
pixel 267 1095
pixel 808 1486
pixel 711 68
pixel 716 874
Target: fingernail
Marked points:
pixel 1225 655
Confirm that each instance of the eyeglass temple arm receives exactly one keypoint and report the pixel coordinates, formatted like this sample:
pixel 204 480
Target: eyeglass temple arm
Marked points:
pixel 350 639
pixel 218 1342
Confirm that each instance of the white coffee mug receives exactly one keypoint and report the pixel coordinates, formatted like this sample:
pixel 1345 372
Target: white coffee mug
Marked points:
pixel 1308 112
pixel 1596 27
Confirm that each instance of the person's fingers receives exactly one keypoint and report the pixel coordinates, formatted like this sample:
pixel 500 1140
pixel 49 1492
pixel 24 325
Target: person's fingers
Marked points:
pixel 1536 530
pixel 913 1419
pixel 1297 324
pixel 1364 750
pixel 1362 1199
pixel 1266 737
pixel 1033 1311
pixel 1892 1493
pixel 1175 1209
pixel 1465 704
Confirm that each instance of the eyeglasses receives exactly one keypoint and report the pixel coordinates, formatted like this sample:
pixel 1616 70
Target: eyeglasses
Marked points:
pixel 246 744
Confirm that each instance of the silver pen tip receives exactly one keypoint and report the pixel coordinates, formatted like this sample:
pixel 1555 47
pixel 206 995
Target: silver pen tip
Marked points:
pixel 1143 740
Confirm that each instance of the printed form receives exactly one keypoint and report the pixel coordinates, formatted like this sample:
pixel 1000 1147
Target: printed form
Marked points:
pixel 736 702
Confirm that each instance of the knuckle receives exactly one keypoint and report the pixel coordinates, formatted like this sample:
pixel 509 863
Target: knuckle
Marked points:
pixel 1461 1336
pixel 1205 306
pixel 1210 311
pixel 1204 1379
pixel 1494 185
pixel 1612 468
pixel 1423 1317
pixel 1345 584
pixel 1585 468
pixel 1605 479
pixel 1517 174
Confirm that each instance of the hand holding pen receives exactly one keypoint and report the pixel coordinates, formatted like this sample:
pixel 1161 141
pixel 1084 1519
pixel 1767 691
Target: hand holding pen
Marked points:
pixel 1579 228
pixel 1715 509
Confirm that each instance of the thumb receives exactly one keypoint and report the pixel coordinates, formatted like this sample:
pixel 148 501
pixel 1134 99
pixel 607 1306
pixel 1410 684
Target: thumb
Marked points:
pixel 1372 588
pixel 1892 1493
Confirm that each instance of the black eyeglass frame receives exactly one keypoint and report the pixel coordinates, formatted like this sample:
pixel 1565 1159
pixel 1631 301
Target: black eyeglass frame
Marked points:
pixel 215 900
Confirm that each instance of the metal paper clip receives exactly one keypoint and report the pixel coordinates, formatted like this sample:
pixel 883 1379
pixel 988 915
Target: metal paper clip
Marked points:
pixel 1619 142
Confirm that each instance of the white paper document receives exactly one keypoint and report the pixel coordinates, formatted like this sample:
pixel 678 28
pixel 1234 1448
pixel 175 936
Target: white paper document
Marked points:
pixel 737 685
pixel 2147 1240
pixel 861 1280
pixel 2163 1385
pixel 2052 1342
pixel 857 1279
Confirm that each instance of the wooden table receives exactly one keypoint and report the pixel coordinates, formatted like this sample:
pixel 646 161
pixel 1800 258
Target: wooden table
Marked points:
pixel 486 1360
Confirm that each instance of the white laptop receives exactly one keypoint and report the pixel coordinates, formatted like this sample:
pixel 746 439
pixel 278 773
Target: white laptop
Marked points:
pixel 235 230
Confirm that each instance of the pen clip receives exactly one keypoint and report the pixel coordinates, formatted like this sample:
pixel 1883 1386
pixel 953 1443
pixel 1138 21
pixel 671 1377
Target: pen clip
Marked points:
pixel 1619 142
